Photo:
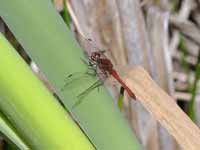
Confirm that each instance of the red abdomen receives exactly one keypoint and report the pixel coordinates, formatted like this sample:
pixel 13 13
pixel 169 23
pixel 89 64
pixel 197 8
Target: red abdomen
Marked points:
pixel 117 77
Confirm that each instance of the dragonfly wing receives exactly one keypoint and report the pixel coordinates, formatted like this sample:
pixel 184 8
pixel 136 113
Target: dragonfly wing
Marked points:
pixel 81 96
pixel 74 79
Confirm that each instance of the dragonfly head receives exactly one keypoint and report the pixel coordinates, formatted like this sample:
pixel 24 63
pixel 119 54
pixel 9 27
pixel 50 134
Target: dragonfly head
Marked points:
pixel 95 56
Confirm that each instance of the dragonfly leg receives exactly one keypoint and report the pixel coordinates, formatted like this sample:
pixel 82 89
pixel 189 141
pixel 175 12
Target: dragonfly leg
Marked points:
pixel 84 61
pixel 91 73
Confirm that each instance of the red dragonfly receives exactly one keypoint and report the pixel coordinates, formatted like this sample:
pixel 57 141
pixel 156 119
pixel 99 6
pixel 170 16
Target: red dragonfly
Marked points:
pixel 106 67
pixel 100 65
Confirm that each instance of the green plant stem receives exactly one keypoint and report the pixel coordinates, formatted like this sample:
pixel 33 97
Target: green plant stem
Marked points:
pixel 35 114
pixel 120 99
pixel 194 90
pixel 65 14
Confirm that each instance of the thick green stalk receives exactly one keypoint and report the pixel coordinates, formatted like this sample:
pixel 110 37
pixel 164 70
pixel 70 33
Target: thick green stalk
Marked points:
pixel 44 35
pixel 35 114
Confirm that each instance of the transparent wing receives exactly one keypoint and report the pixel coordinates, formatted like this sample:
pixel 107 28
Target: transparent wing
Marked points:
pixel 81 96
pixel 74 80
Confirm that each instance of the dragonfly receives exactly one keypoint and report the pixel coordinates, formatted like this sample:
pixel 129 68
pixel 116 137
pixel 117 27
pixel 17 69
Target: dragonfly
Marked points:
pixel 99 65
pixel 106 67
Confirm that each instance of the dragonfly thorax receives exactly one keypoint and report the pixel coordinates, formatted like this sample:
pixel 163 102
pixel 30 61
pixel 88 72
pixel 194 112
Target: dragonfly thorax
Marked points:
pixel 102 63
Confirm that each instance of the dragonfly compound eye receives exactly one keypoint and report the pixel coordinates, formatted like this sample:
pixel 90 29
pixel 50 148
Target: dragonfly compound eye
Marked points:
pixel 95 56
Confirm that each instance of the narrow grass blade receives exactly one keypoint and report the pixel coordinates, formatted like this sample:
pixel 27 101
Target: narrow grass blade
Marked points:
pixel 7 130
pixel 65 14
pixel 194 91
